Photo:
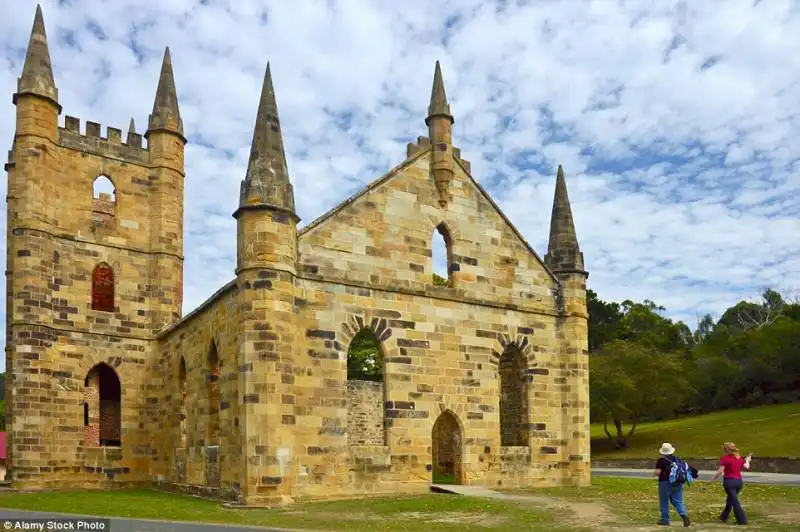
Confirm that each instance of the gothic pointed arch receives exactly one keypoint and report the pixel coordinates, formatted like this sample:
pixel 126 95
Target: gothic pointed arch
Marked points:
pixel 102 411
pixel 442 255
pixel 447 449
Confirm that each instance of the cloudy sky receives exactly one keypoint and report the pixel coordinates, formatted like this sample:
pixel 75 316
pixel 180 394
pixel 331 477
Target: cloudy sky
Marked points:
pixel 676 122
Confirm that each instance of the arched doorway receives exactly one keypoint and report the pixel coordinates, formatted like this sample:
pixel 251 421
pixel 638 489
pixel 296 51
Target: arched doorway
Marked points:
pixel 102 407
pixel 447 453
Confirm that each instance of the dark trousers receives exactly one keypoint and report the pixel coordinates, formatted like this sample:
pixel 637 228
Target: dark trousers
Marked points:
pixel 732 488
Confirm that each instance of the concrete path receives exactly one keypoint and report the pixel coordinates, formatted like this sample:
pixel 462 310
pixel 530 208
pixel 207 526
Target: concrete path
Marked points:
pixel 782 479
pixel 137 525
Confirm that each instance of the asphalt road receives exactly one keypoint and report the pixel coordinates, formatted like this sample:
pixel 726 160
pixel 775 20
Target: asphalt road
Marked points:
pixel 781 479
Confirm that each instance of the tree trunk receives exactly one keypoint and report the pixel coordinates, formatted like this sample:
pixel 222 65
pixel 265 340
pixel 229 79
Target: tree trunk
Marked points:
pixel 622 438
pixel 605 428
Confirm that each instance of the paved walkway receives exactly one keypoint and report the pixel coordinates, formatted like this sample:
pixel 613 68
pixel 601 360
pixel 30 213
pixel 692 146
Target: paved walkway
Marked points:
pixel 783 479
pixel 138 525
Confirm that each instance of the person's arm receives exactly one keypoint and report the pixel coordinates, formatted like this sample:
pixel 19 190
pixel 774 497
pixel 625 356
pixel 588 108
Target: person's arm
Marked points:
pixel 720 471
pixel 657 470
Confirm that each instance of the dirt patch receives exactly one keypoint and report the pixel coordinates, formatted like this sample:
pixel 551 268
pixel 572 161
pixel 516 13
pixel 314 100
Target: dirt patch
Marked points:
pixel 587 513
pixel 784 513
pixel 461 518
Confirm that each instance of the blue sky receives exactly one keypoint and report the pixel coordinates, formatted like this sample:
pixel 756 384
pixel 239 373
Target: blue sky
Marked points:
pixel 676 122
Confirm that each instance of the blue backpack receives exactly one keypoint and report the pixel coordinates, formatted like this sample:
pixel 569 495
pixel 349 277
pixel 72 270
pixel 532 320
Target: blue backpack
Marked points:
pixel 679 472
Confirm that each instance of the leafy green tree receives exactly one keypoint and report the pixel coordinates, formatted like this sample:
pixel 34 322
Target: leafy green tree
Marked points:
pixel 643 322
pixel 634 381
pixel 438 280
pixel 2 415
pixel 364 358
pixel 604 321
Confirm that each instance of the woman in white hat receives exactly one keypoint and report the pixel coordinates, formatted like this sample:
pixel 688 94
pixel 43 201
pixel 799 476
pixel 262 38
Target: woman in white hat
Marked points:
pixel 669 492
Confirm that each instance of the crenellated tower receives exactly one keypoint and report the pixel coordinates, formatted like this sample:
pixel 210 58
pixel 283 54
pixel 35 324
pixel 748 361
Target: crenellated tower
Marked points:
pixel 265 270
pixel 94 262
pixel 440 132
pixel 565 260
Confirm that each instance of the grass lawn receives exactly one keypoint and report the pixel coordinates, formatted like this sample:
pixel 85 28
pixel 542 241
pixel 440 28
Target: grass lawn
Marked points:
pixel 634 501
pixel 434 512
pixel 611 503
pixel 765 430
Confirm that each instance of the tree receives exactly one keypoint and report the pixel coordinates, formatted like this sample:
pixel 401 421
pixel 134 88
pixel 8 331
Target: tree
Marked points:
pixel 438 280
pixel 364 360
pixel 604 321
pixel 2 415
pixel 634 381
pixel 747 315
pixel 642 322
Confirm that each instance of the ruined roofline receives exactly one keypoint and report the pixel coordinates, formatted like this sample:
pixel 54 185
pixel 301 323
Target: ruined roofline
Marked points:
pixel 197 310
pixel 416 151
pixel 510 224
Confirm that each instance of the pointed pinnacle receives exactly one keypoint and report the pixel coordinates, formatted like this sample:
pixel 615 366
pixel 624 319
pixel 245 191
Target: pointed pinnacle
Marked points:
pixel 132 127
pixel 563 252
pixel 438 106
pixel 267 179
pixel 37 72
pixel 166 114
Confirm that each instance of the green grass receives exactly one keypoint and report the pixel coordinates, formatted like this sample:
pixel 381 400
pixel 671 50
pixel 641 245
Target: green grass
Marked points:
pixel 765 430
pixel 425 512
pixel 635 501
pixel 626 503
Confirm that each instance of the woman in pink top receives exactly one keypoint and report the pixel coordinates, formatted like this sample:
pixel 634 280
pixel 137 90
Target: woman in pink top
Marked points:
pixel 730 467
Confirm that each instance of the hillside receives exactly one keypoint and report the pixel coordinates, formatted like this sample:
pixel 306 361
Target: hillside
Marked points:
pixel 765 431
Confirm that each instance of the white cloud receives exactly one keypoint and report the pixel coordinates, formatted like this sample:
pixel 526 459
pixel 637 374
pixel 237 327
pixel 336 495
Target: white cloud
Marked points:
pixel 676 122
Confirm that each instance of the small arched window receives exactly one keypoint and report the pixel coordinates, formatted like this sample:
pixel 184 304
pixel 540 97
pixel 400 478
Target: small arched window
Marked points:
pixel 104 201
pixel 441 255
pixel 103 288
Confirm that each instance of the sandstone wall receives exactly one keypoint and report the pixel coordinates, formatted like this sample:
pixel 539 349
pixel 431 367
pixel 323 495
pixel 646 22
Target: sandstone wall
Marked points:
pixel 207 417
pixel 382 238
pixel 365 413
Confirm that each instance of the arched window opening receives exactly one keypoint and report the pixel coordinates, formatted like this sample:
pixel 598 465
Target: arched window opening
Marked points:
pixel 213 395
pixel 104 201
pixel 513 399
pixel 182 402
pixel 366 419
pixel 102 407
pixel 103 288
pixel 441 255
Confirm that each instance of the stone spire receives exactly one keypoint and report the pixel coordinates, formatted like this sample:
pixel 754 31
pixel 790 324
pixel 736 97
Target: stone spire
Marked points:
pixel 166 115
pixel 266 183
pixel 132 135
pixel 440 131
pixel 37 72
pixel 563 253
pixel 438 106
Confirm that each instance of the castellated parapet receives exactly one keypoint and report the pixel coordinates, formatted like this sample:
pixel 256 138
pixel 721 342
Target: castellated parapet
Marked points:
pixel 93 142
pixel 249 397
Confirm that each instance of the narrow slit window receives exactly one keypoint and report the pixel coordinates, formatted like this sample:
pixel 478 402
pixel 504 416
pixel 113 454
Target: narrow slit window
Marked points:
pixel 441 254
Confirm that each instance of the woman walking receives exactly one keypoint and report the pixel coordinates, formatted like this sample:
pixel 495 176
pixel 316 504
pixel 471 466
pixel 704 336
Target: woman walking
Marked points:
pixel 730 467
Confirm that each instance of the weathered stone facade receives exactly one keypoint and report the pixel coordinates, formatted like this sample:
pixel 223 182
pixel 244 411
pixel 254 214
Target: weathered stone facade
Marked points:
pixel 247 397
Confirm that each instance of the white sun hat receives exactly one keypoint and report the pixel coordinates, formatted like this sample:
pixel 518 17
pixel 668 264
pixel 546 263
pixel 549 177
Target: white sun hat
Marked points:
pixel 666 448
